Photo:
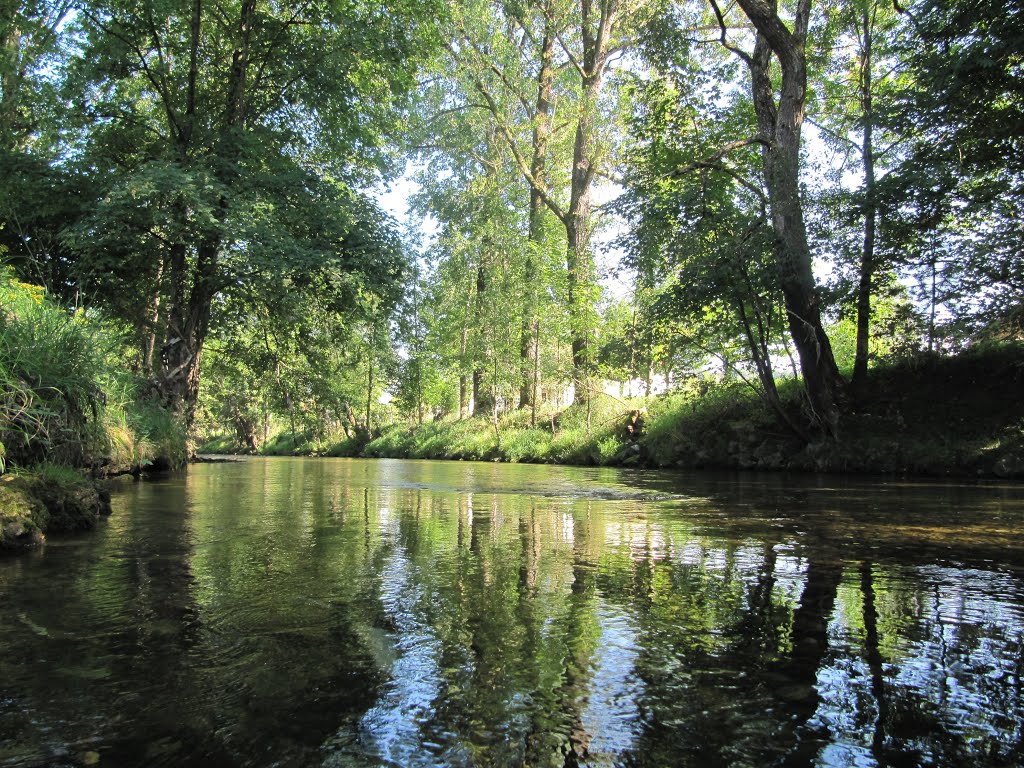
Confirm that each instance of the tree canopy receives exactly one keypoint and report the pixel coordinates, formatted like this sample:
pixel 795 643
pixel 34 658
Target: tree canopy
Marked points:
pixel 615 189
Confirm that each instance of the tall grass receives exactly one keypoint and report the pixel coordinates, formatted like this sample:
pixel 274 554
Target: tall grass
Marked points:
pixel 50 367
pixel 65 396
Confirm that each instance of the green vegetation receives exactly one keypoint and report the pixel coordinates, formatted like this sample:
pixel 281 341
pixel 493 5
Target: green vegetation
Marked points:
pixel 67 405
pixel 779 225
pixel 928 415
pixel 67 397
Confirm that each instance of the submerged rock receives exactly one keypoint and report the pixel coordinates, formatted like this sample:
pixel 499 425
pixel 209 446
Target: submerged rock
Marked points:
pixel 73 506
pixel 19 511
pixel 32 506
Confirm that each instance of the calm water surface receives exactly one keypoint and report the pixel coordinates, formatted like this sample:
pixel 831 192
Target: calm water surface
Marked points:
pixel 288 612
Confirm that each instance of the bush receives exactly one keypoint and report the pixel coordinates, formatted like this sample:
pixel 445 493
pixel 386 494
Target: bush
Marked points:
pixel 531 444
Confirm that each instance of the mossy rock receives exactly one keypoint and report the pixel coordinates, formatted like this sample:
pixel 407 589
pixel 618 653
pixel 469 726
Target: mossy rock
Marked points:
pixel 71 502
pixel 19 515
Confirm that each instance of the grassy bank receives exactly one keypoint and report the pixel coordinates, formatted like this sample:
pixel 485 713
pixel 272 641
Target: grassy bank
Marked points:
pixel 931 415
pixel 70 411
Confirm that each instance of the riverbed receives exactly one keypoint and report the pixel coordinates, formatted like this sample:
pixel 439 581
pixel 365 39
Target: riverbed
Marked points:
pixel 335 612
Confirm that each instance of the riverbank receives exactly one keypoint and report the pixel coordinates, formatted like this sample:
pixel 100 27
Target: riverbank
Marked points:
pixel 931 415
pixel 52 500
pixel 71 410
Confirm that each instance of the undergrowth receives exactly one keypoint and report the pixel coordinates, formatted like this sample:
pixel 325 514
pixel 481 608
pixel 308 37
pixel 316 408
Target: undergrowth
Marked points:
pixel 927 414
pixel 66 397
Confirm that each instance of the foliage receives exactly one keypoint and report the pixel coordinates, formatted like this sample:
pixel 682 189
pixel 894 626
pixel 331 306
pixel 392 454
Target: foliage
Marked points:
pixel 701 246
pixel 897 332
pixel 50 365
pixel 192 188
pixel 64 397
pixel 957 192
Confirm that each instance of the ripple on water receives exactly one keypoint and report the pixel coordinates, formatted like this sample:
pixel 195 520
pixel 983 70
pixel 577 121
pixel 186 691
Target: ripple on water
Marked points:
pixel 407 613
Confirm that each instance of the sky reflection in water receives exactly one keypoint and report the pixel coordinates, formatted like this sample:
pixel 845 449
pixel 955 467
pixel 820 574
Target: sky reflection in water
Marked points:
pixel 358 613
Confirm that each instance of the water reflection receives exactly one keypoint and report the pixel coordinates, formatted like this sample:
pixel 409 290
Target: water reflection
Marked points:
pixel 355 613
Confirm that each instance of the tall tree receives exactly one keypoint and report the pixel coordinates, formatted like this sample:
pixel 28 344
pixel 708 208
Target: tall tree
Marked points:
pixel 780 105
pixel 700 241
pixel 569 48
pixel 247 120
pixel 854 84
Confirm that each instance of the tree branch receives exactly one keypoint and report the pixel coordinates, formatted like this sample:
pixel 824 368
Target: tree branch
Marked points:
pixel 723 39
pixel 730 147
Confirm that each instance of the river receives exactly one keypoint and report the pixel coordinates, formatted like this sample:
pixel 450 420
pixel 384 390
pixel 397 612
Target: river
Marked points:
pixel 322 612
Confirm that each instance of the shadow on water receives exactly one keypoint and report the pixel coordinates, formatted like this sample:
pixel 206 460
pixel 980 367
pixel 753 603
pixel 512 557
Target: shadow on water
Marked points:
pixel 357 613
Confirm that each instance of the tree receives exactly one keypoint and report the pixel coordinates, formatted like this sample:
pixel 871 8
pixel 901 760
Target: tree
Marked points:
pixel 700 242
pixel 566 50
pixel 479 261
pixel 247 127
pixel 37 199
pixel 780 114
pixel 959 188
pixel 29 34
pixel 856 40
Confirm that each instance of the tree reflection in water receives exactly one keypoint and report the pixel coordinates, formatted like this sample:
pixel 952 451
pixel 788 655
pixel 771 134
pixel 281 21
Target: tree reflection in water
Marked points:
pixel 421 614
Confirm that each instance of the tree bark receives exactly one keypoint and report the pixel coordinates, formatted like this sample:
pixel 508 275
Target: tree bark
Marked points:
pixel 188 324
pixel 11 83
pixel 151 325
pixel 529 336
pixel 780 123
pixel 463 379
pixel 867 264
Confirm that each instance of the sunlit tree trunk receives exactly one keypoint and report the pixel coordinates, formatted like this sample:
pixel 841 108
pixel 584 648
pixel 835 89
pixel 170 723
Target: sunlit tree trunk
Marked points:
pixel 867 264
pixel 780 122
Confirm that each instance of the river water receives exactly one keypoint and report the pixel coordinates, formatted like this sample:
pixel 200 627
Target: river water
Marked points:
pixel 320 612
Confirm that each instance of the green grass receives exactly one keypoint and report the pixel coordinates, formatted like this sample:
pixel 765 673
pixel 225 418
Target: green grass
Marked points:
pixel 66 396
pixel 926 415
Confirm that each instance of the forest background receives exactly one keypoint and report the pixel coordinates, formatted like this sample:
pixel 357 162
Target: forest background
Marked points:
pixel 812 213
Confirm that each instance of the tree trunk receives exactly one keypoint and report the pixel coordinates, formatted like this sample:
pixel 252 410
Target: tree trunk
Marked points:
pixel 580 278
pixel 482 401
pixel 188 322
pixel 780 124
pixel 190 305
pixel 463 379
pixel 11 83
pixel 369 379
pixel 867 264
pixel 530 330
pixel 536 377
pixel 150 331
